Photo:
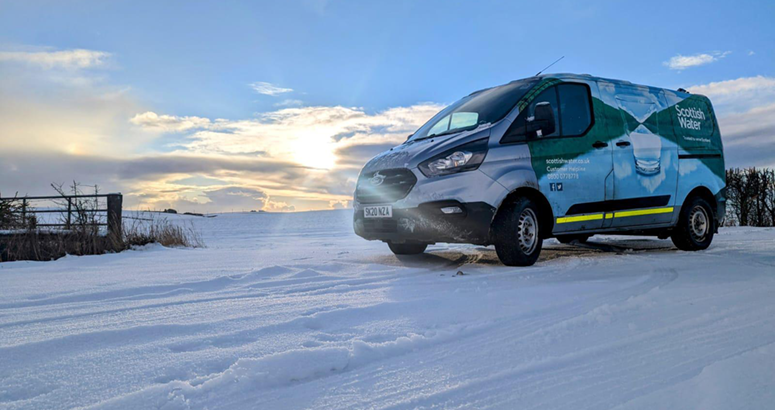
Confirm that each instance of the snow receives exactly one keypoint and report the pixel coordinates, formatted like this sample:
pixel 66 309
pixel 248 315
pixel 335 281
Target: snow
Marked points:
pixel 294 311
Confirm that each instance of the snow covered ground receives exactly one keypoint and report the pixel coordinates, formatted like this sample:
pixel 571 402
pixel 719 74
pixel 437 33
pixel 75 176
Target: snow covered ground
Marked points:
pixel 294 311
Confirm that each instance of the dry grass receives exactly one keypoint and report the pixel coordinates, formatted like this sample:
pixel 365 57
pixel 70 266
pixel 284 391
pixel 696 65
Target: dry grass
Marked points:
pixel 163 232
pixel 33 244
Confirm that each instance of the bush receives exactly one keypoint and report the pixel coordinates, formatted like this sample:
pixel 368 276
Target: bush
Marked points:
pixel 10 214
pixel 751 197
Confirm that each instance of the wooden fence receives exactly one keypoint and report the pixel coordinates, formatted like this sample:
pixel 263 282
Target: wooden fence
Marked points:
pixel 69 206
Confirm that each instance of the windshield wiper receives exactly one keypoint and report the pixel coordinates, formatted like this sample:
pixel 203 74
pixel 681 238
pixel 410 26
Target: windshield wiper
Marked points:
pixel 447 132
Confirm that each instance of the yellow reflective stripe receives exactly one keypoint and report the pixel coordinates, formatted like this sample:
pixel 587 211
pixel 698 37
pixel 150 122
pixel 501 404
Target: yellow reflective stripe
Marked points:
pixel 579 218
pixel 643 212
pixel 610 215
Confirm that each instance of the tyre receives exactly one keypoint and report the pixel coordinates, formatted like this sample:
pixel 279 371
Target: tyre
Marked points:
pixel 407 248
pixel 516 235
pixel 566 239
pixel 696 226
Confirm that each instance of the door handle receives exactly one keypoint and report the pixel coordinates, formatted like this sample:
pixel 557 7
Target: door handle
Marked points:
pixel 599 144
pixel 623 144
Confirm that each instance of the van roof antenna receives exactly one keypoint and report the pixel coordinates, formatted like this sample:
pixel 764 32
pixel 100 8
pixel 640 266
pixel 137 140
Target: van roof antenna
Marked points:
pixel 547 67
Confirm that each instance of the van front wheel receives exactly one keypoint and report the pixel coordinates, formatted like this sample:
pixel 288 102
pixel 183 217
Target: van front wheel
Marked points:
pixel 518 241
pixel 696 226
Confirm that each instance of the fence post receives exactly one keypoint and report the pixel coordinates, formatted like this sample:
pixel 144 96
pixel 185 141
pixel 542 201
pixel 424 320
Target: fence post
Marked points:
pixel 69 212
pixel 114 216
pixel 24 212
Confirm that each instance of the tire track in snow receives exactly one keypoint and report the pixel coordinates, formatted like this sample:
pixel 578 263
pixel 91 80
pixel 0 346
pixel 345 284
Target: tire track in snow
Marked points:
pixel 338 369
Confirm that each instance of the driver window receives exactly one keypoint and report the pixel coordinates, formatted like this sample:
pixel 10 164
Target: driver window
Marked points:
pixel 517 130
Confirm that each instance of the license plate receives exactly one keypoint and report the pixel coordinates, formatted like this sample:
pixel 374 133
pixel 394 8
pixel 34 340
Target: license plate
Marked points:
pixel 384 211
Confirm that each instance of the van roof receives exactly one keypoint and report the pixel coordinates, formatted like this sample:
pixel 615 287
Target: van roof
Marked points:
pixel 611 80
pixel 568 76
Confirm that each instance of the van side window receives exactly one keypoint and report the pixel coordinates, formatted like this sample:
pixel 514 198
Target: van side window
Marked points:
pixel 572 112
pixel 574 109
pixel 516 132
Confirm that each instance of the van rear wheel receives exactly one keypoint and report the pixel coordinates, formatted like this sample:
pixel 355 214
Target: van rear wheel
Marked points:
pixel 407 248
pixel 696 226
pixel 517 238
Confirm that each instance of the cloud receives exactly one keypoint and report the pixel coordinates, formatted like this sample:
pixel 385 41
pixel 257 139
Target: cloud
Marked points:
pixel 232 198
pixel 68 59
pixel 153 167
pixel 84 118
pixel 340 204
pixel 738 95
pixel 681 62
pixel 269 89
pixel 278 206
pixel 63 124
pixel 157 181
pixel 237 197
pixel 755 127
pixel 734 87
pixel 749 138
pixel 289 103
pixel 169 123
pixel 304 154
pixel 745 108
pixel 309 136
pixel 257 153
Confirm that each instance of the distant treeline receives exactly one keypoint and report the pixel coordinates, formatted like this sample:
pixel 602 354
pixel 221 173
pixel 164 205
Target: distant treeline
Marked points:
pixel 751 197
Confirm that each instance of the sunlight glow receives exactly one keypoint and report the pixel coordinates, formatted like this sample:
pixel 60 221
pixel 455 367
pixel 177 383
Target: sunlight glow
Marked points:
pixel 315 152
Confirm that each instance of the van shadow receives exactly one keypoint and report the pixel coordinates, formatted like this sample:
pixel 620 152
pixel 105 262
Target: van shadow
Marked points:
pixel 456 256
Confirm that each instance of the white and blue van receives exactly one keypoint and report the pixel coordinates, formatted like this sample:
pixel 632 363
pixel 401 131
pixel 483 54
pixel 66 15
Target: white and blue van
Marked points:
pixel 563 155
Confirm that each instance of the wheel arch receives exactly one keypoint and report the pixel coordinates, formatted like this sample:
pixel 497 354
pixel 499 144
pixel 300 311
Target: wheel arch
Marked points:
pixel 704 193
pixel 545 214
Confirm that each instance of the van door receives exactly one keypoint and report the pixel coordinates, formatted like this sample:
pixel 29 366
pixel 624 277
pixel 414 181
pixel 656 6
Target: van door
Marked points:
pixel 571 164
pixel 645 159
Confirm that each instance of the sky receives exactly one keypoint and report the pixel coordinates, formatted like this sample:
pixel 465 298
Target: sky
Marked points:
pixel 242 105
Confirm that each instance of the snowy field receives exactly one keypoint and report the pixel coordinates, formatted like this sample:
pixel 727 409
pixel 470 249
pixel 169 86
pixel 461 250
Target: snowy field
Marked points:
pixel 294 311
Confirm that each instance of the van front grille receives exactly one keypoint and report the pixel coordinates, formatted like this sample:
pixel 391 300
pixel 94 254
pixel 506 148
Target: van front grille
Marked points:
pixel 384 186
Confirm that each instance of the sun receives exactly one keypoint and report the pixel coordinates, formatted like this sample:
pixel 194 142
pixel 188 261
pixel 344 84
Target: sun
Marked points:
pixel 314 152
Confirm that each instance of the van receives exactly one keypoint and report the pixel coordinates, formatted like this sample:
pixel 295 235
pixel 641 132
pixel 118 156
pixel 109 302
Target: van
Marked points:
pixel 563 155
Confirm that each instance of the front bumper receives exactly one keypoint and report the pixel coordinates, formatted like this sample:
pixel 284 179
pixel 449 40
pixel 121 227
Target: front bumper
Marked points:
pixel 428 224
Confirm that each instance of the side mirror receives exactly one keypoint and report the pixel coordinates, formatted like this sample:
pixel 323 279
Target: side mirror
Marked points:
pixel 542 121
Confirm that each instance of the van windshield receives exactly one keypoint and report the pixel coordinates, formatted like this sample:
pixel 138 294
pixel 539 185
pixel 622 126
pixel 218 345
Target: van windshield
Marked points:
pixel 483 107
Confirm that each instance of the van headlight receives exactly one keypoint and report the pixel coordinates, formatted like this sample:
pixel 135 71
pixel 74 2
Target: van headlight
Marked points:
pixel 466 157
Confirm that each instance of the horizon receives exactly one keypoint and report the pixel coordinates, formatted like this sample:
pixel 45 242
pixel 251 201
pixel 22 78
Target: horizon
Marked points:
pixel 276 107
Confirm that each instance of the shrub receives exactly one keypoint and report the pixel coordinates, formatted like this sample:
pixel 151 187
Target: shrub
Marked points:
pixel 10 214
pixel 751 197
